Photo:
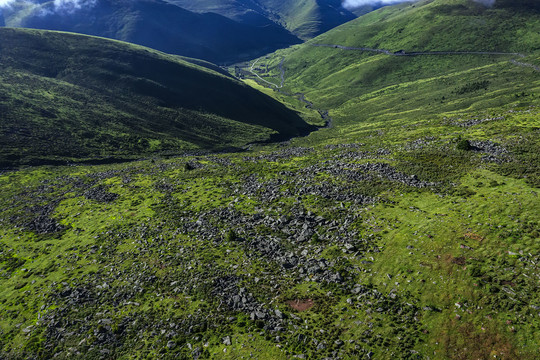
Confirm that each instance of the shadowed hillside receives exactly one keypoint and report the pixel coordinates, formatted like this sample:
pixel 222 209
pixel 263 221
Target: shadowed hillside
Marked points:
pixel 71 96
pixel 159 25
pixel 306 19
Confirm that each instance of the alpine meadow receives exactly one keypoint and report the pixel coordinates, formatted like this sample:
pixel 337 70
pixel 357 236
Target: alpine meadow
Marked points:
pixel 264 179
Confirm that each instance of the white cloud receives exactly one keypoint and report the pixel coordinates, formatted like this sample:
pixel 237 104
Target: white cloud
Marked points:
pixel 6 3
pixel 59 5
pixel 72 5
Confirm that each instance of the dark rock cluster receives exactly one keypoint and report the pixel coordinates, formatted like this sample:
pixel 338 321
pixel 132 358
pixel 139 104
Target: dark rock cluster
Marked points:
pixel 42 222
pixel 344 146
pixel 237 298
pixel 100 193
pixel 474 121
pixel 493 152
pixel 364 172
pixel 280 155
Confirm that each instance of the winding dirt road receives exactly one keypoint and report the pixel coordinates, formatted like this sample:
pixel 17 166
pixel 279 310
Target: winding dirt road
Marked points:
pixel 515 62
pixel 324 114
pixel 282 75
pixel 427 53
pixel 404 53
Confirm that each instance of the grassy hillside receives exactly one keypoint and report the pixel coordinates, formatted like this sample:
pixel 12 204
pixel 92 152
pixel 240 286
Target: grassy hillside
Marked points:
pixel 365 9
pixel 245 11
pixel 67 96
pixel 159 25
pixel 305 19
pixel 358 86
pixel 444 26
pixel 403 244
pixel 310 18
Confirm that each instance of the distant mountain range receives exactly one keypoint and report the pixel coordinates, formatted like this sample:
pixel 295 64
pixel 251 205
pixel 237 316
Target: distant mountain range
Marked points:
pixel 159 25
pixel 219 31
pixel 305 19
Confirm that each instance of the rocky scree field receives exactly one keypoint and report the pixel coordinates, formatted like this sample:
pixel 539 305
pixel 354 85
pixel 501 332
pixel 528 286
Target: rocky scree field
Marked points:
pixel 376 249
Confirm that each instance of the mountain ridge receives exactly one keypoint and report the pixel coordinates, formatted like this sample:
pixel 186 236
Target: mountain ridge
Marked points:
pixel 160 25
pixel 96 97
pixel 305 19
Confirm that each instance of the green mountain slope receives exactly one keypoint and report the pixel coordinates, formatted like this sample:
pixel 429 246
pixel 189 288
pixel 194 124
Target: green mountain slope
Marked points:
pixel 481 65
pixel 156 24
pixel 445 26
pixel 365 9
pixel 303 18
pixel 245 11
pixel 395 244
pixel 70 96
pixel 407 230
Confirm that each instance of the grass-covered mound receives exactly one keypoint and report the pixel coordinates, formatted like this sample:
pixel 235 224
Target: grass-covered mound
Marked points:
pixel 66 96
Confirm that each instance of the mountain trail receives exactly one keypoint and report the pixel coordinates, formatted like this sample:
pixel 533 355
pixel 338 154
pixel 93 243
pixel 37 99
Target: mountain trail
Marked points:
pixel 522 64
pixel 282 75
pixel 426 53
pixel 324 114
pixel 422 53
